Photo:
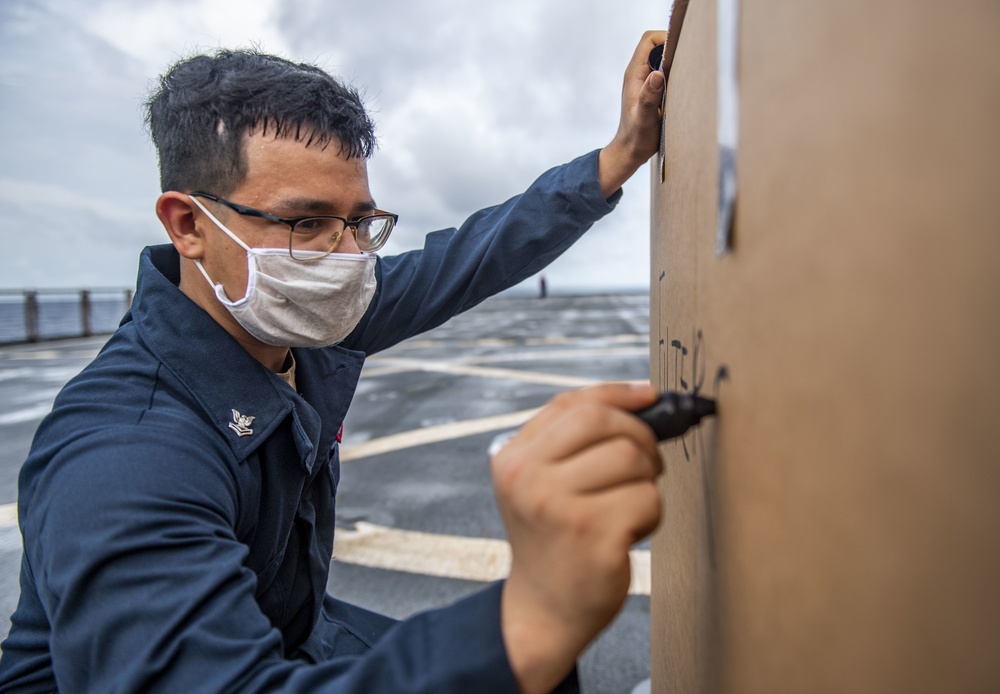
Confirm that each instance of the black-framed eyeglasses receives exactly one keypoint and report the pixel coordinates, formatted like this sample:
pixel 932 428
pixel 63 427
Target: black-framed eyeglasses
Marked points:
pixel 316 236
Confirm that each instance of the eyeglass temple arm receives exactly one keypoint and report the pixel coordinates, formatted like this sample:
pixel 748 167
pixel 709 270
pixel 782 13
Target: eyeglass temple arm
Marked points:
pixel 241 209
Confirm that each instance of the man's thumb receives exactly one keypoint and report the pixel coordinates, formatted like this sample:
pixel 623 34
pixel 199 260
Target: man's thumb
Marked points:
pixel 652 90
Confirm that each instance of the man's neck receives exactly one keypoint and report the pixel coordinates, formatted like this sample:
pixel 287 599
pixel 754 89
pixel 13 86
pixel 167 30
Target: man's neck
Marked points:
pixel 194 286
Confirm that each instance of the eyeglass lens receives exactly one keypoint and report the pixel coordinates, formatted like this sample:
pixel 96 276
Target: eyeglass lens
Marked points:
pixel 324 233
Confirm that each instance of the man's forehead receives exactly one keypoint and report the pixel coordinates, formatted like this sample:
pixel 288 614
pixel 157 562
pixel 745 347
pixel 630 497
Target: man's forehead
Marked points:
pixel 305 176
pixel 265 147
pixel 305 137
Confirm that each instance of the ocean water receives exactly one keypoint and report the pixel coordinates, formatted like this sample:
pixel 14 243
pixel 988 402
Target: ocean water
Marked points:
pixel 59 315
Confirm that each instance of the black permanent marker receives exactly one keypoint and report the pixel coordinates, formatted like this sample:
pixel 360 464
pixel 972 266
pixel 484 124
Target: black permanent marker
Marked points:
pixel 656 57
pixel 675 413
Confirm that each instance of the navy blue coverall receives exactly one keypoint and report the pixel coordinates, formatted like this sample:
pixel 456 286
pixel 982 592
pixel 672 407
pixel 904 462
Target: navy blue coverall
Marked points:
pixel 165 552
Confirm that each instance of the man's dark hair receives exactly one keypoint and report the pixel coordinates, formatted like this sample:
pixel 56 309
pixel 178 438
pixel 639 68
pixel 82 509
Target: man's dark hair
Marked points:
pixel 203 107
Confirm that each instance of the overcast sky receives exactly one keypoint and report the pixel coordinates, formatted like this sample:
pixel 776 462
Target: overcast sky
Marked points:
pixel 471 100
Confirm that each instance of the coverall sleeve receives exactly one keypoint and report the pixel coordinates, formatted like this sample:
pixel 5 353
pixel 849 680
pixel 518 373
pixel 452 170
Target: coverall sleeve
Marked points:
pixel 493 250
pixel 143 580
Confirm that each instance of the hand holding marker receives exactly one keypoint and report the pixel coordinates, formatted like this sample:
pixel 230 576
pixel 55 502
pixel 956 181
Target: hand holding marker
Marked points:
pixel 670 416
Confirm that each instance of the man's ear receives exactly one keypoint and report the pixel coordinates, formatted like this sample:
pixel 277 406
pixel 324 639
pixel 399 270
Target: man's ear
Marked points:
pixel 176 213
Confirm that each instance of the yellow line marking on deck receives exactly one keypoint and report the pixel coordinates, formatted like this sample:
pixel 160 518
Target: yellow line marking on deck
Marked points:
pixel 8 515
pixel 446 556
pixel 430 554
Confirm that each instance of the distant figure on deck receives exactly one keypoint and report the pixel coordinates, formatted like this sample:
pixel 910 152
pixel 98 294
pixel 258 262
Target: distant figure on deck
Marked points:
pixel 177 505
pixel 542 290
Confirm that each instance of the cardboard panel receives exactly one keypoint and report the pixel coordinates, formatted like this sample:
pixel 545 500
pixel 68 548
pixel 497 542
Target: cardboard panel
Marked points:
pixel 837 528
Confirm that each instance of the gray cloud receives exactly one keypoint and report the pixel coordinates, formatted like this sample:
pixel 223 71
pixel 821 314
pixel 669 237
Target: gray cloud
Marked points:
pixel 472 102
pixel 76 187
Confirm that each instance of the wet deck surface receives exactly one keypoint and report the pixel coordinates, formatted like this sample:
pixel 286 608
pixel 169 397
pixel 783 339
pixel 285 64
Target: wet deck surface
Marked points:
pixel 418 527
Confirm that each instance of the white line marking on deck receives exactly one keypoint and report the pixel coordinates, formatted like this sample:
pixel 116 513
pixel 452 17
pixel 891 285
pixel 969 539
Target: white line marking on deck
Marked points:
pixel 562 354
pixel 47 354
pixel 446 556
pixel 530 341
pixel 434 434
pixel 394 366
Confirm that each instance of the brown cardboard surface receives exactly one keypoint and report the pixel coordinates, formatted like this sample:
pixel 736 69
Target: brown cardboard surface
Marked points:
pixel 837 528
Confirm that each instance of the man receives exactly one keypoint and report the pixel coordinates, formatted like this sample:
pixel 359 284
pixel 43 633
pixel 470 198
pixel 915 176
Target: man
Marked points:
pixel 177 506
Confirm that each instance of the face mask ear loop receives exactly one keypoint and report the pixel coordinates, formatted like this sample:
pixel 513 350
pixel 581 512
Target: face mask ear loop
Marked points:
pixel 220 291
pixel 219 224
pixel 197 264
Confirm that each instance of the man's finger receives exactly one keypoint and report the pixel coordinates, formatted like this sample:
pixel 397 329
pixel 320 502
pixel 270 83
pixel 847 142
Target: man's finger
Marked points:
pixel 632 511
pixel 627 396
pixel 580 426
pixel 649 40
pixel 609 464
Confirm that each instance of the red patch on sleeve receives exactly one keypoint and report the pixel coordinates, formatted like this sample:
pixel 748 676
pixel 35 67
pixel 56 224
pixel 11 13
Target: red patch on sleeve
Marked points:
pixel 340 434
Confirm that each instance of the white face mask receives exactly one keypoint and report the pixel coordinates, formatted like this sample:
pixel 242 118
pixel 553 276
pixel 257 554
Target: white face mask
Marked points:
pixel 290 303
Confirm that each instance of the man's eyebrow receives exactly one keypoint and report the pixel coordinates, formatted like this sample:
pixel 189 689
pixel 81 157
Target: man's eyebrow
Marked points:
pixel 314 206
pixel 366 207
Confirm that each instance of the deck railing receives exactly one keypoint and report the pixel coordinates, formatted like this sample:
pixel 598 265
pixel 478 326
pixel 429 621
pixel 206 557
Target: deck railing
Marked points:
pixel 33 315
